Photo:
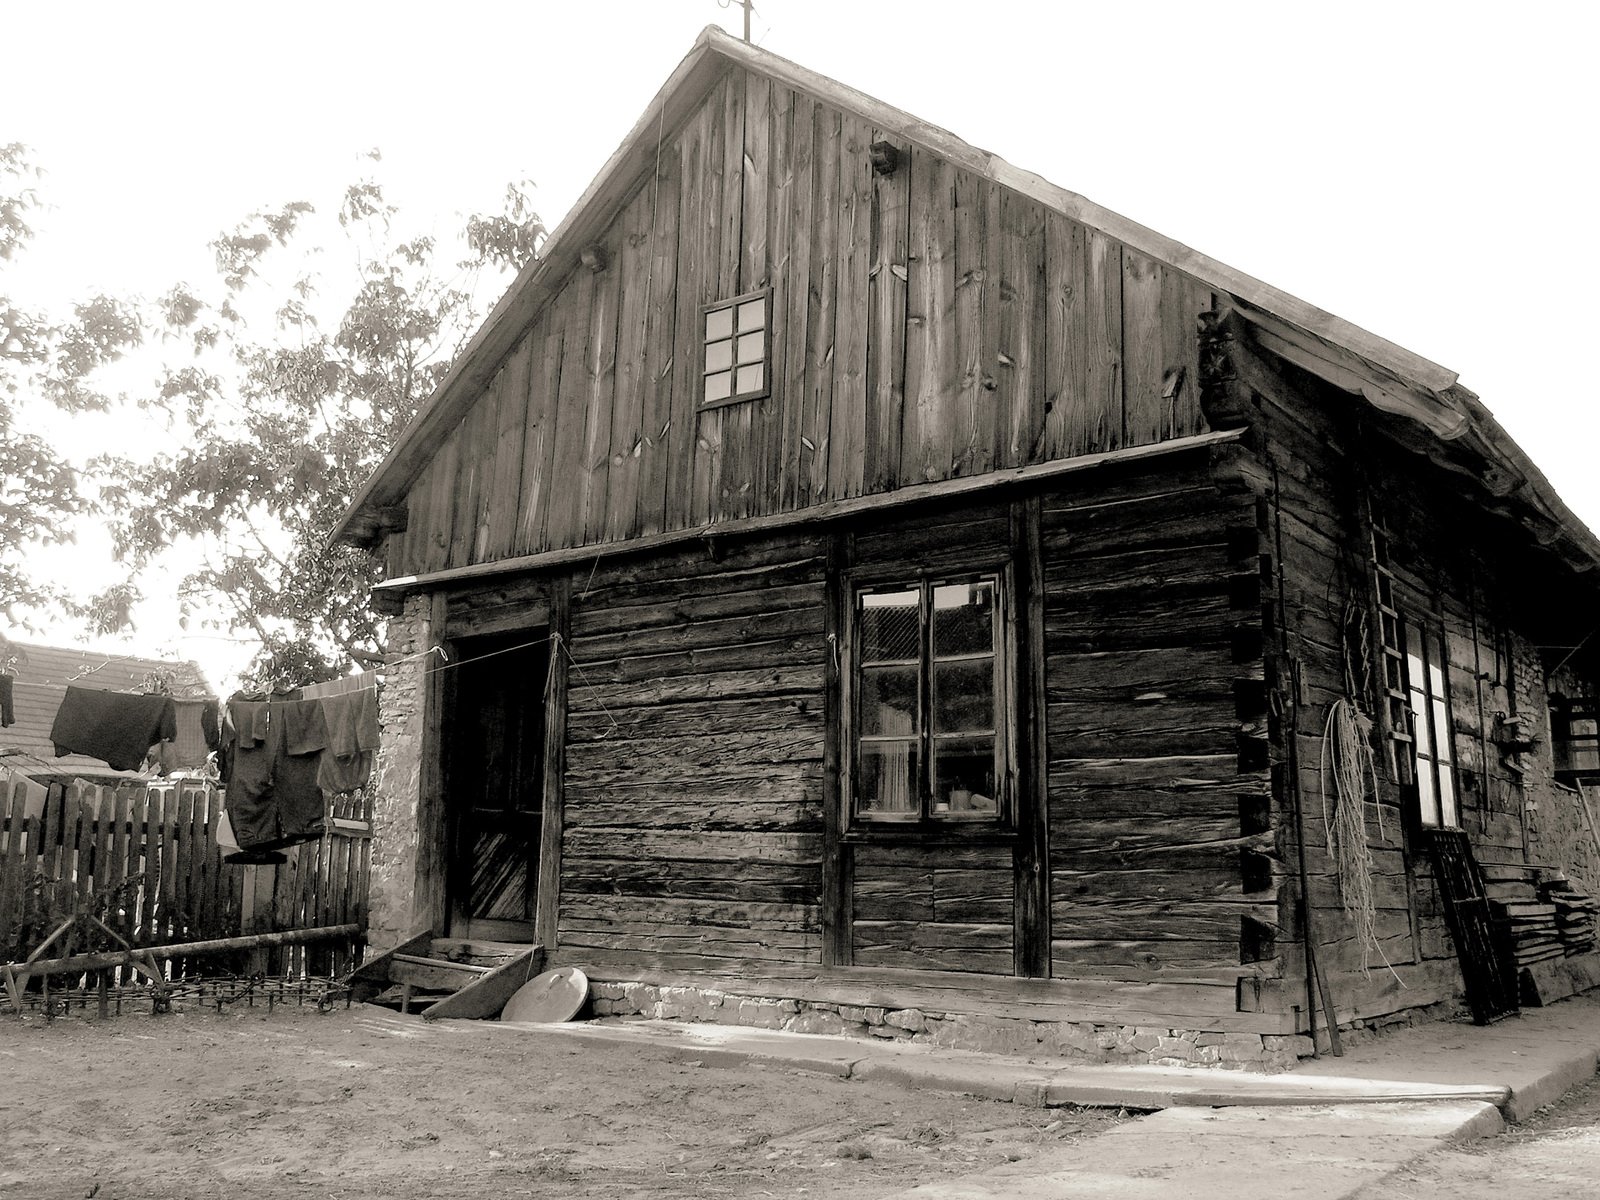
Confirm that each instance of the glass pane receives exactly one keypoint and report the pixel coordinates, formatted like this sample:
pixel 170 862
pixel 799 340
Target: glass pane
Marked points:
pixel 963 618
pixel 963 776
pixel 719 385
pixel 1583 756
pixel 752 379
pixel 719 356
pixel 752 315
pixel 1435 672
pixel 1427 802
pixel 1419 723
pixel 888 778
pixel 752 347
pixel 1447 797
pixel 1442 736
pixel 719 324
pixel 890 627
pixel 888 700
pixel 963 696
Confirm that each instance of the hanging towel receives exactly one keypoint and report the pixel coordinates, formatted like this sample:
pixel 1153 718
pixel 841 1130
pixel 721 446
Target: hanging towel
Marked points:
pixel 7 716
pixel 116 727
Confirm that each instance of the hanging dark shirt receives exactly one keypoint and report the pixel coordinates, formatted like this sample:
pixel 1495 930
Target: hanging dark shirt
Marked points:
pixel 7 717
pixel 116 727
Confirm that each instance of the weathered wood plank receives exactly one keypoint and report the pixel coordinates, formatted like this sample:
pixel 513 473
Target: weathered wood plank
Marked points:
pixel 699 202
pixel 1145 415
pixel 664 339
pixel 1072 426
pixel 931 369
pixel 1020 395
pixel 847 439
pixel 600 368
pixel 1103 335
pixel 812 446
pixel 621 495
pixel 886 322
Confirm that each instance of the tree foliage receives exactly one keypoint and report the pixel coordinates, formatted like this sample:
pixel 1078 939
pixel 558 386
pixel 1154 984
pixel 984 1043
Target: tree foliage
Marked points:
pixel 284 381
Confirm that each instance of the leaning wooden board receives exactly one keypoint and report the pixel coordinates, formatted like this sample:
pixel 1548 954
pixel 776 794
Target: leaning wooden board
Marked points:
pixel 487 995
pixel 367 980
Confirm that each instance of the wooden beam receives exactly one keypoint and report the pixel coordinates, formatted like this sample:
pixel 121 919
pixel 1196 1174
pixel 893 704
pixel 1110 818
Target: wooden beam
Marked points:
pixel 1031 861
pixel 428 904
pixel 837 857
pixel 833 510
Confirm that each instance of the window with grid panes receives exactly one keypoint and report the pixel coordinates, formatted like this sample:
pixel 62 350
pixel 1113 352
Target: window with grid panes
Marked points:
pixel 738 350
pixel 1428 717
pixel 1575 731
pixel 927 743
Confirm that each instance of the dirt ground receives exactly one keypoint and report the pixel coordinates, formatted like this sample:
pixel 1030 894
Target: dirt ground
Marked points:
pixel 363 1103
pixel 1554 1156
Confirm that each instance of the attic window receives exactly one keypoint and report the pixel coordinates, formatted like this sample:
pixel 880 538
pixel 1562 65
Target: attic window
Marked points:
pixel 738 350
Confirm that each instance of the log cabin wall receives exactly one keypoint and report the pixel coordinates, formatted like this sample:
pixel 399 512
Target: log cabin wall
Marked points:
pixel 927 323
pixel 692 838
pixel 1157 763
pixel 1326 469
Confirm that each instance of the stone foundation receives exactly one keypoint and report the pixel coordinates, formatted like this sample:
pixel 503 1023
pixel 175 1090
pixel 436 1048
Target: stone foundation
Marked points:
pixel 958 1031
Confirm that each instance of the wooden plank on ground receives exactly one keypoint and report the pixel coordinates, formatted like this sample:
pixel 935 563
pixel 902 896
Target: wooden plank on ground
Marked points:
pixel 487 995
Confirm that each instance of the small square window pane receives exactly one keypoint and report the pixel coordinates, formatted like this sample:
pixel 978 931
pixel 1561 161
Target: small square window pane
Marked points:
pixel 963 618
pixel 888 700
pixel 752 379
pixel 964 777
pixel 752 315
pixel 1441 732
pixel 889 626
pixel 963 696
pixel 887 781
pixel 719 386
pixel 719 356
pixel 752 347
pixel 719 324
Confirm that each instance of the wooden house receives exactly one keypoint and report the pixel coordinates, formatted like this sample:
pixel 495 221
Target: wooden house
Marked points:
pixel 873 581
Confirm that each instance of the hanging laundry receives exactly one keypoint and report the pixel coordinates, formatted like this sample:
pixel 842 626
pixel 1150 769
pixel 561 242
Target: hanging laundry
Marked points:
pixel 116 727
pixel 271 752
pixel 198 736
pixel 352 723
pixel 7 716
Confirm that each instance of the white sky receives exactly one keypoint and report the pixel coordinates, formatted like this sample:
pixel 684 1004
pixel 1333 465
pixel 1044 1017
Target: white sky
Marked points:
pixel 1421 169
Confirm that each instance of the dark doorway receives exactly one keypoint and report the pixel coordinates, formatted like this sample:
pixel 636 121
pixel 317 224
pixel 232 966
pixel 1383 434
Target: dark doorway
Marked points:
pixel 493 775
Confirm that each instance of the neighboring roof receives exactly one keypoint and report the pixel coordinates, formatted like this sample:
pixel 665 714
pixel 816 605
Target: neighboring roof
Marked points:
pixel 42 675
pixel 1387 375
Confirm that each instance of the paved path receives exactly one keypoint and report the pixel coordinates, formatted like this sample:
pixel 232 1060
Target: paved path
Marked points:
pixel 1321 1131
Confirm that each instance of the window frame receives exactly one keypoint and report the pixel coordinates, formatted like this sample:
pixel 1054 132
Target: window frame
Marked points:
pixel 926 820
pixel 1433 754
pixel 732 305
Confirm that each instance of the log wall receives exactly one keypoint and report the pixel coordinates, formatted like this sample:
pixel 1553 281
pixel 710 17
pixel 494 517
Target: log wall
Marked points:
pixel 1156 762
pixel 1325 468
pixel 692 837
pixel 927 324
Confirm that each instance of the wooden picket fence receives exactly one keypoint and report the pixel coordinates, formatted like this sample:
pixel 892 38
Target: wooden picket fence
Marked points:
pixel 144 859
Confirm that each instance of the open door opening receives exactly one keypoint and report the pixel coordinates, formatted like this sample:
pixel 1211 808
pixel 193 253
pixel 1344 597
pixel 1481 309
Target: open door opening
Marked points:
pixel 493 782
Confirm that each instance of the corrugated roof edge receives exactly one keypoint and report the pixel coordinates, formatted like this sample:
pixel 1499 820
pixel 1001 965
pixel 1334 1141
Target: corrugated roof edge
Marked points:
pixel 713 50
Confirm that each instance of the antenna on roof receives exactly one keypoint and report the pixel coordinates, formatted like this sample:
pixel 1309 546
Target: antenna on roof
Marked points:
pixel 748 6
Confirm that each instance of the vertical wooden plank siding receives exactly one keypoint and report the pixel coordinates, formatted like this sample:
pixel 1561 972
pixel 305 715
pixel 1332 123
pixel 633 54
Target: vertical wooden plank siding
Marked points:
pixel 847 446
pixel 1144 418
pixel 931 371
pixel 927 323
pixel 886 320
pixel 694 148
pixel 601 370
pixel 1031 886
pixel 547 901
pixel 665 314
pixel 1103 336
pixel 621 495
pixel 971 419
pixel 508 453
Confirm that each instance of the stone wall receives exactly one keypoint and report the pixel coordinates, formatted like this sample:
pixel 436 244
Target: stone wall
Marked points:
pixel 959 1031
pixel 393 886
